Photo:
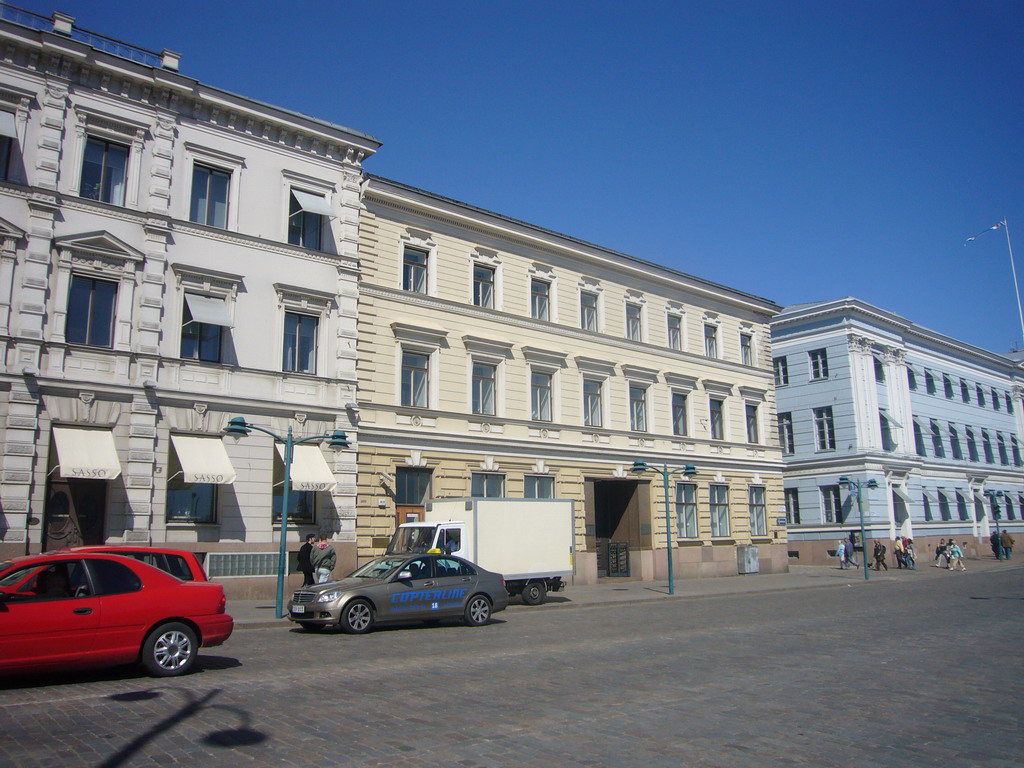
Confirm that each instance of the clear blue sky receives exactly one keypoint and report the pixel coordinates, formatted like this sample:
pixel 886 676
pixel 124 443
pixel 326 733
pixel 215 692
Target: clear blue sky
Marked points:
pixel 800 151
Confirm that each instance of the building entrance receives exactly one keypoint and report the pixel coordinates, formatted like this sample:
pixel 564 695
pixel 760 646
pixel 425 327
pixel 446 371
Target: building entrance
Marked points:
pixel 75 513
pixel 613 515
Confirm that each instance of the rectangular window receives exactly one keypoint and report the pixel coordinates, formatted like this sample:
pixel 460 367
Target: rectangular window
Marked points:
pixel 831 504
pixel 305 224
pixel 927 507
pixel 588 311
pixel 938 450
pixel 201 340
pixel 781 366
pixel 1009 403
pixel 746 349
pixel 954 443
pixel 1015 450
pixel 675 332
pixel 302 505
pixel 961 506
pixel 888 444
pixel 919 440
pixel 634 325
pixel 412 486
pixel 995 400
pixel 758 511
pixel 104 171
pixel 719 510
pixel 188 502
pixel 540 396
pixel 980 394
pixel 752 431
pixel 792 496
pixel 944 510
pixel 1004 457
pixel 91 312
pixel 415 378
pixel 716 408
pixel 911 378
pixel 929 382
pixel 947 386
pixel 539 487
pixel 592 410
pixel 300 333
pixel 965 391
pixel 209 196
pixel 819 364
pixel 484 376
pixel 879 371
pixel 679 413
pixel 986 447
pixel 785 421
pixel 638 409
pixel 711 340
pixel 540 299
pixel 414 270
pixel 972 445
pixel 6 150
pixel 487 485
pixel 824 429
pixel 686 510
pixel 483 286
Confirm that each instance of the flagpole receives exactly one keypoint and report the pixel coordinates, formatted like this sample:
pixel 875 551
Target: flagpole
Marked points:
pixel 1013 268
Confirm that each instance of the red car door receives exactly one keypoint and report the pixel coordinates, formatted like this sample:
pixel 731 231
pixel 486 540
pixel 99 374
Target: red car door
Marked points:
pixel 42 621
pixel 128 609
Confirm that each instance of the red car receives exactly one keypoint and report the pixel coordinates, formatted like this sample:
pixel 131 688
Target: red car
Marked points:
pixel 85 609
pixel 177 562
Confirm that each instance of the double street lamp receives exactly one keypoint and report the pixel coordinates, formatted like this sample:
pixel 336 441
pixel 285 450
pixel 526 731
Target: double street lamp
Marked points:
pixel 239 427
pixel 688 470
pixel 993 497
pixel 853 485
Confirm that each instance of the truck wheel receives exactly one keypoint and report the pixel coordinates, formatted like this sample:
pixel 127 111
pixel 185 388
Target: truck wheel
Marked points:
pixel 478 611
pixel 170 650
pixel 357 618
pixel 534 594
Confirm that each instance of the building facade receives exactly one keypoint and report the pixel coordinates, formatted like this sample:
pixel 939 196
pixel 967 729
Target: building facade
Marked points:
pixel 870 396
pixel 499 359
pixel 173 256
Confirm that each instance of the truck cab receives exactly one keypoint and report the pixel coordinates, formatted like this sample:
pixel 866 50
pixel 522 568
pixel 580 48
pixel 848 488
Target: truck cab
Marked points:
pixel 411 538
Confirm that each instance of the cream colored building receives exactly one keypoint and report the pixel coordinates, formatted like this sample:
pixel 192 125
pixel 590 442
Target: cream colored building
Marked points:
pixel 496 358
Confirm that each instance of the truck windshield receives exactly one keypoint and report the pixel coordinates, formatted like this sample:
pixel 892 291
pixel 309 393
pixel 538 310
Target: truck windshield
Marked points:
pixel 412 540
pixel 380 568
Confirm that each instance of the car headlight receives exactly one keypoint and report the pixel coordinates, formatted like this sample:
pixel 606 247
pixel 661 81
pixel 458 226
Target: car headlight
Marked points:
pixel 329 597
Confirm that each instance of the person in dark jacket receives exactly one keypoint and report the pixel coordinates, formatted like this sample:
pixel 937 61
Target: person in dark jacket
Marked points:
pixel 1007 541
pixel 305 563
pixel 880 556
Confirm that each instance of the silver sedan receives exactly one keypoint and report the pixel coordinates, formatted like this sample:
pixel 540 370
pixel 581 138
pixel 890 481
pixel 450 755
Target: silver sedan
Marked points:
pixel 401 588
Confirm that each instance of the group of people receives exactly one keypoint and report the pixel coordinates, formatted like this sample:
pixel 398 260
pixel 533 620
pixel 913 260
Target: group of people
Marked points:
pixel 948 554
pixel 951 554
pixel 316 559
pixel 1002 545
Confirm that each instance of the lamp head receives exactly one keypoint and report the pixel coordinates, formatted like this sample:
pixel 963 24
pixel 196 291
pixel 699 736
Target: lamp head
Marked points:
pixel 872 483
pixel 339 440
pixel 689 470
pixel 639 467
pixel 237 427
pixel 844 481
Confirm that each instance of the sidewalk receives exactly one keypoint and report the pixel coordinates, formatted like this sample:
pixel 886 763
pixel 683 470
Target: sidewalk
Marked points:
pixel 249 614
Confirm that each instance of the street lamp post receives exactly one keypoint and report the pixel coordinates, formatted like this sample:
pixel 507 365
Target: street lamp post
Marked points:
pixel 994 497
pixel 239 427
pixel 855 486
pixel 688 470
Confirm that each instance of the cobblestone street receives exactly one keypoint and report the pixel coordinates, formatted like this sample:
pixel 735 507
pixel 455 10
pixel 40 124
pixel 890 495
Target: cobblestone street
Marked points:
pixel 920 671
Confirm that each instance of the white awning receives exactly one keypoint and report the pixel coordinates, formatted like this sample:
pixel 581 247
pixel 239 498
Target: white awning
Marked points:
pixel 86 454
pixel 209 310
pixel 312 203
pixel 902 494
pixel 309 468
pixel 890 419
pixel 932 495
pixel 203 459
pixel 7 125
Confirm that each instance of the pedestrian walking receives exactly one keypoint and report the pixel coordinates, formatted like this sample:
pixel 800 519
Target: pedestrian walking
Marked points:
pixel 305 564
pixel 324 558
pixel 996 544
pixel 909 556
pixel 898 551
pixel 1007 541
pixel 851 548
pixel 956 561
pixel 841 553
pixel 940 552
pixel 880 556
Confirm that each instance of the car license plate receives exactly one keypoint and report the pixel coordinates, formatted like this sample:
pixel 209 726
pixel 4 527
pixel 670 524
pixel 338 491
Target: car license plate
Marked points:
pixel 298 609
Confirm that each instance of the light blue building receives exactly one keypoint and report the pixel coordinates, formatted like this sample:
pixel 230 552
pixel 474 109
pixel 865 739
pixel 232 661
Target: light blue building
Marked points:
pixel 936 423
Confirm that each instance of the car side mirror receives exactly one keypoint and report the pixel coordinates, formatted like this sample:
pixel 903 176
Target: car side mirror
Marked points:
pixel 404 575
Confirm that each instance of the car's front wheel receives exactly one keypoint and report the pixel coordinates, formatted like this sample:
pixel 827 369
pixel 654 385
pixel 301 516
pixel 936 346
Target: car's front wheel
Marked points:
pixel 478 611
pixel 170 650
pixel 357 617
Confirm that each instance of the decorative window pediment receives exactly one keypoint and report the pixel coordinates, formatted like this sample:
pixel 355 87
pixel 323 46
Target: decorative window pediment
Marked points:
pixel 489 347
pixel 680 381
pixel 595 365
pixel 639 373
pixel 206 280
pixel 545 357
pixel 100 251
pixel 717 387
pixel 9 234
pixel 305 300
pixel 420 335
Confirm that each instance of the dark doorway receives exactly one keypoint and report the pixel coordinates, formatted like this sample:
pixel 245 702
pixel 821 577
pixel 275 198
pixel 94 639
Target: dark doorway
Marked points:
pixel 616 524
pixel 75 513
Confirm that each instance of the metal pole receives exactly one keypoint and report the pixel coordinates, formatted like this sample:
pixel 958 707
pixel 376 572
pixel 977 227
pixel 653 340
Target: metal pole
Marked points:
pixel 863 535
pixel 1016 290
pixel 285 500
pixel 668 533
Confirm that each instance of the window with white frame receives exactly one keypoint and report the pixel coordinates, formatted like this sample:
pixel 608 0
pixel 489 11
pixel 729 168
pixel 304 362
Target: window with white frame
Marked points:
pixel 300 342
pixel 8 141
pixel 937 448
pixel 487 485
pixel 1015 451
pixel 947 386
pixel 679 420
pixel 91 306
pixel 911 379
pixel 980 395
pixel 879 371
pixel 1004 457
pixel 919 446
pixel 719 507
pixel 484 386
pixel 995 399
pixel 961 506
pixel 104 171
pixel 540 299
pixel 483 286
pixel 710 340
pixel 415 378
pixel 819 364
pixel 944 509
pixel 786 441
pixel 751 418
pixel 965 391
pixel 588 311
pixel 686 510
pixel 414 270
pixel 781 366
pixel 929 382
pixel 540 395
pixel 1009 403
pixel 634 322
pixel 954 442
pixel 539 487
pixel 209 202
pixel 593 412
pixel 675 331
pixel 792 498
pixel 716 410
pixel 203 323
pixel 187 502
pixel 986 447
pixel 831 504
pixel 746 349
pixel 888 444
pixel 758 511
pixel 308 214
pixel 824 429
pixel 637 408
pixel 972 445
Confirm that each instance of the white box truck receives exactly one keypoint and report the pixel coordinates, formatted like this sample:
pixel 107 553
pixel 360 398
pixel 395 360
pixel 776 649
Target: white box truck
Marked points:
pixel 530 542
